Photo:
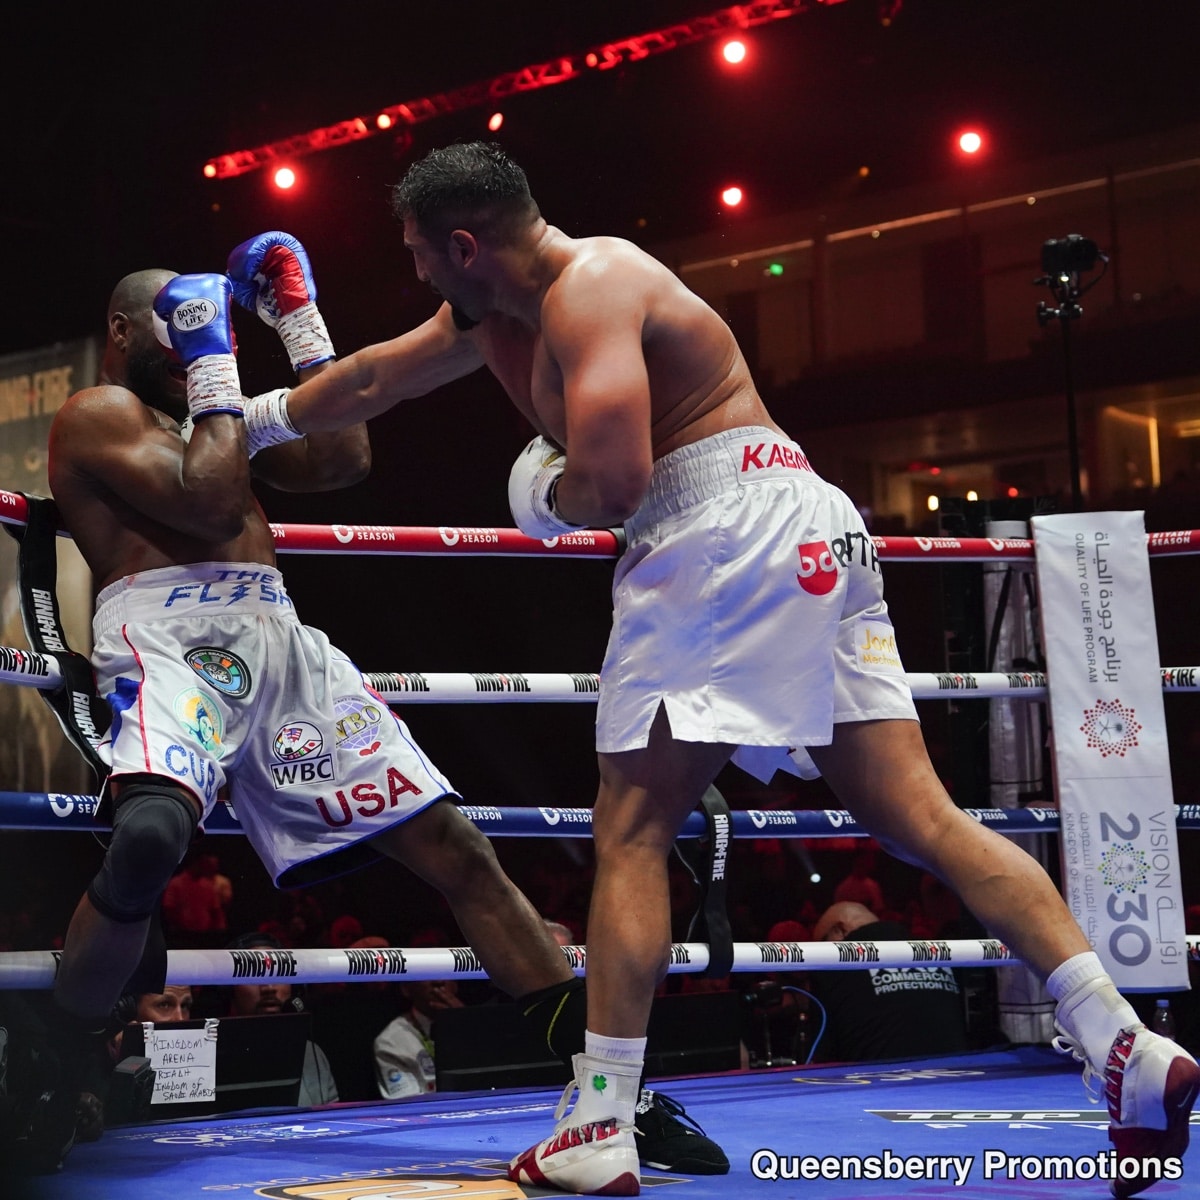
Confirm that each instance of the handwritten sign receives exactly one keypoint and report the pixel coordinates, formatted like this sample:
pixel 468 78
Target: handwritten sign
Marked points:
pixel 184 1062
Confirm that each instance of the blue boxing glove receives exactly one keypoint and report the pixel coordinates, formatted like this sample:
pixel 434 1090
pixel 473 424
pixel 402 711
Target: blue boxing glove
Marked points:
pixel 271 276
pixel 531 484
pixel 193 318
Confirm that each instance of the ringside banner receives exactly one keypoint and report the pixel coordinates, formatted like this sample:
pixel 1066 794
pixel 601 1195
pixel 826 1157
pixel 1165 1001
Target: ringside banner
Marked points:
pixel 1120 853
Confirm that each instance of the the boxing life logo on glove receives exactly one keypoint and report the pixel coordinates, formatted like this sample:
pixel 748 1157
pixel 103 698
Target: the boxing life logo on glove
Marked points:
pixel 531 484
pixel 193 318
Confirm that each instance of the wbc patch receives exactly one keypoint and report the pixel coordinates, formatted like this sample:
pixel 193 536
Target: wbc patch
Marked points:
pixel 299 762
pixel 297 740
pixel 225 671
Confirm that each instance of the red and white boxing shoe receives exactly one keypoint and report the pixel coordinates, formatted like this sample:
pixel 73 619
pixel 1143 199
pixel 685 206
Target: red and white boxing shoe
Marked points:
pixel 1150 1085
pixel 596 1157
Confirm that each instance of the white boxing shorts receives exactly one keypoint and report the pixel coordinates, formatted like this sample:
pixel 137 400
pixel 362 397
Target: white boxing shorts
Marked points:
pixel 749 603
pixel 212 680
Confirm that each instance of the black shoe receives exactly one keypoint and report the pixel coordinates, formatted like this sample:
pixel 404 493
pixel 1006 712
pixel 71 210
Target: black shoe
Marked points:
pixel 41 1133
pixel 665 1143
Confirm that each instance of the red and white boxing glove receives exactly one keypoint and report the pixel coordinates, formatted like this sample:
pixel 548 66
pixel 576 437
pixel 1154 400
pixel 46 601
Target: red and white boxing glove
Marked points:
pixel 531 484
pixel 192 317
pixel 271 276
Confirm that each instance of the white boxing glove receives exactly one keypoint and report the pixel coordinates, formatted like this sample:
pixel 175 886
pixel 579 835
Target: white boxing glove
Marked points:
pixel 531 484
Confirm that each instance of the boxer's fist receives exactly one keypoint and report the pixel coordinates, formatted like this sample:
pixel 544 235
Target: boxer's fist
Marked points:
pixel 193 318
pixel 271 275
pixel 194 312
pixel 531 484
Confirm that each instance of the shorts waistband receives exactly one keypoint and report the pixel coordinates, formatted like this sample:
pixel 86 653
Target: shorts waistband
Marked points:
pixel 714 465
pixel 192 590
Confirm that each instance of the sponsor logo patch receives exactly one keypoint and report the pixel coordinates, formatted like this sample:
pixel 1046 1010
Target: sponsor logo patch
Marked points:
pixel 358 721
pixel 224 671
pixel 296 740
pixel 201 718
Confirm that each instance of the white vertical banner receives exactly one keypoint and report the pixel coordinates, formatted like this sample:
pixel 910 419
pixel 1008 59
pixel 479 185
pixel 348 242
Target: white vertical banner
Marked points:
pixel 1120 852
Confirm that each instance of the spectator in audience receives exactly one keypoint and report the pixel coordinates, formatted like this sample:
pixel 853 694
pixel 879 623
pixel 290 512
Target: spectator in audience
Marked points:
pixel 97 1107
pixel 403 1050
pixel 270 997
pixel 345 931
pixel 562 934
pixel 883 1012
pixel 195 905
pixel 346 1019
pixel 861 886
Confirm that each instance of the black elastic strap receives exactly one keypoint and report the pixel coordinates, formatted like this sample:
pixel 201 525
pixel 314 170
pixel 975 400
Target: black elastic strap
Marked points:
pixel 559 1014
pixel 84 717
pixel 707 861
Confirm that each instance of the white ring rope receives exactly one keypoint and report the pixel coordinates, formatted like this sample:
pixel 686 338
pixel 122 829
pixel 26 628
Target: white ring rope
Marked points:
pixel 36 968
pixel 30 669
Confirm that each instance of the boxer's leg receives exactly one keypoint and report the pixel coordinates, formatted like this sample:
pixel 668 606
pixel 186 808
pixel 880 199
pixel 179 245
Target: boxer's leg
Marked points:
pixel 442 847
pixel 881 771
pixel 644 798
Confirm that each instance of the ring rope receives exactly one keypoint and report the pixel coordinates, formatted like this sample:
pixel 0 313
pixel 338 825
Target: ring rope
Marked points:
pixel 603 543
pixel 31 811
pixel 36 968
pixel 30 669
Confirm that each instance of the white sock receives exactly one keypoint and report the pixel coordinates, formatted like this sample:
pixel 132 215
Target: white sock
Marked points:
pixel 612 1049
pixel 1070 974
pixel 608 1075
pixel 1090 1009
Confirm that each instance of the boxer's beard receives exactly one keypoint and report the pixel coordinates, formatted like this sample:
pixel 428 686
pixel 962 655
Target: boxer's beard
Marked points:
pixel 146 375
pixel 460 318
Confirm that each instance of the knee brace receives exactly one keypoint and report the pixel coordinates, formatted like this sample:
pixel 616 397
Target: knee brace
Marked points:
pixel 559 1015
pixel 153 824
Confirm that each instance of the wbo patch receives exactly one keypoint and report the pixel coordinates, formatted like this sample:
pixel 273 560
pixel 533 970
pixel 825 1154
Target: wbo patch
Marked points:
pixel 225 671
pixel 358 721
pixel 201 718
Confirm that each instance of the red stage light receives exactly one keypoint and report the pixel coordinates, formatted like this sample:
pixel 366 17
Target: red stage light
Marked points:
pixel 970 141
pixel 734 52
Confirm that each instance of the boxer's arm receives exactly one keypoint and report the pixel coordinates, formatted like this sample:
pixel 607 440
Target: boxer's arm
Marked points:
pixel 317 462
pixel 372 380
pixel 107 436
pixel 593 331
pixel 271 275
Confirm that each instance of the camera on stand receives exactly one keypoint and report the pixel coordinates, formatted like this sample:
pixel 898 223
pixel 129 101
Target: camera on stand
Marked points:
pixel 1070 255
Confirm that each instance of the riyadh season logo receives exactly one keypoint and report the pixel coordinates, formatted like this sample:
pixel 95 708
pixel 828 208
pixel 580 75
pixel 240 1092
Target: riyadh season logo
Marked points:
pixel 1110 728
pixel 1123 868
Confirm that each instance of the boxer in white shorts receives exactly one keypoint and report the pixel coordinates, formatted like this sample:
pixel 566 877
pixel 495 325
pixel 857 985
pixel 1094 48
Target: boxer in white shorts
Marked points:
pixel 748 621
pixel 215 682
pixel 749 604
